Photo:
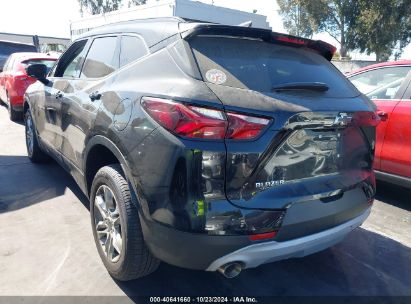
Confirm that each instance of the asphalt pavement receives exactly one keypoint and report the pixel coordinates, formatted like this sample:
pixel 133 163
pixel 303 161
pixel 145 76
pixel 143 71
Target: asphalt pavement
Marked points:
pixel 47 247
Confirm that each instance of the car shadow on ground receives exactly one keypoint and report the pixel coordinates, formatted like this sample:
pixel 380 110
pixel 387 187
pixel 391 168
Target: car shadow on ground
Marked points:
pixel 394 195
pixel 24 183
pixel 365 263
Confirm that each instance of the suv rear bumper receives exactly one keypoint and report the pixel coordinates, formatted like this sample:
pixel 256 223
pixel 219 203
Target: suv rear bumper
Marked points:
pixel 205 252
pixel 257 254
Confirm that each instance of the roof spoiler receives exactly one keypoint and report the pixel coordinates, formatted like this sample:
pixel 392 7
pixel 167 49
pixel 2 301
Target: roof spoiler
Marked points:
pixel 321 47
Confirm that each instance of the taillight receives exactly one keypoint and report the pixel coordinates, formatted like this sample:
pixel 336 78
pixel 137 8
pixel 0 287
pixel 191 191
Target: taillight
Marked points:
pixel 201 122
pixel 187 121
pixel 244 126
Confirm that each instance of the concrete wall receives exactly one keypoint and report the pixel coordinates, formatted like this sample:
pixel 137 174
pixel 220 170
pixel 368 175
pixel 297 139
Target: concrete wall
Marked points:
pixel 29 39
pixel 348 66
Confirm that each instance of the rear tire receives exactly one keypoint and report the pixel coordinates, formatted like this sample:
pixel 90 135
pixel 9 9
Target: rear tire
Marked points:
pixel 116 227
pixel 13 114
pixel 34 152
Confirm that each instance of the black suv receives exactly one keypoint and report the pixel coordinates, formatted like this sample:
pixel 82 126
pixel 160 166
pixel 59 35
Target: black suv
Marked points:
pixel 205 146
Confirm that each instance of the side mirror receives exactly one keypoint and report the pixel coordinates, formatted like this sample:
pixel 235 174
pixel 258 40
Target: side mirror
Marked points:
pixel 38 71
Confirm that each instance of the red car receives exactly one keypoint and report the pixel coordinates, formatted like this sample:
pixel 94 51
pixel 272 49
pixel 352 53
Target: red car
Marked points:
pixel 388 85
pixel 14 80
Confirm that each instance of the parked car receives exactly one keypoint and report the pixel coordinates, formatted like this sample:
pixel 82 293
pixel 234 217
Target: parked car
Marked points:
pixel 14 80
pixel 7 48
pixel 388 85
pixel 205 146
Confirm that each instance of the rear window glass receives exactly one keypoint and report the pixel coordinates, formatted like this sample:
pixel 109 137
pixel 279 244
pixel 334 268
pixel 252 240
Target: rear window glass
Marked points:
pixel 260 66
pixel 132 48
pixel 102 58
pixel 48 63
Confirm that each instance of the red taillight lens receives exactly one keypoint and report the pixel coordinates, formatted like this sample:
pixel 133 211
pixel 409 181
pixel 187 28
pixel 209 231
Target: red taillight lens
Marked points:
pixel 199 122
pixel 293 40
pixel 188 121
pixel 244 126
pixel 262 236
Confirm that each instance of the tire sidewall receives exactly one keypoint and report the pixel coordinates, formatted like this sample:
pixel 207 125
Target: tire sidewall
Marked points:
pixel 28 115
pixel 10 108
pixel 103 178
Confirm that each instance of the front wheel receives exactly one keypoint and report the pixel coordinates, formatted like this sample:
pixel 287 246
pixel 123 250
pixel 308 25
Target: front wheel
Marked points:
pixel 34 151
pixel 116 227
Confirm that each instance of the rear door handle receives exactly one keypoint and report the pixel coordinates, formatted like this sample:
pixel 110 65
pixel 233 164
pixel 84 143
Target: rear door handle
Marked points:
pixel 383 115
pixel 95 96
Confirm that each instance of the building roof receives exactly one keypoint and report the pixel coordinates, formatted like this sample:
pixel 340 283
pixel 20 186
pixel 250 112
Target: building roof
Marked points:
pixel 156 30
pixel 153 30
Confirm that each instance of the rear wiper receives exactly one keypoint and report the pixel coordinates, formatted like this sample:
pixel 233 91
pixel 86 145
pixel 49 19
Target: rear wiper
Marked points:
pixel 308 86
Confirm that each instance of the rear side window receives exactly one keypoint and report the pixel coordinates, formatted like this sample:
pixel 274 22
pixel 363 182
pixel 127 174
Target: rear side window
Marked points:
pixel 260 66
pixel 102 58
pixel 131 49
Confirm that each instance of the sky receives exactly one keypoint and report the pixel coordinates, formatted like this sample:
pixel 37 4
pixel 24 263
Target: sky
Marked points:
pixel 52 18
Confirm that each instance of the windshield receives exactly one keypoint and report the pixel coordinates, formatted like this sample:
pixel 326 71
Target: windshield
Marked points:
pixel 381 83
pixel 262 66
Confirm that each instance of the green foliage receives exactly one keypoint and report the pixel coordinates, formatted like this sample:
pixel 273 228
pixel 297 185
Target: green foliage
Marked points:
pixel 379 26
pixel 95 7
pixel 136 2
pixel 336 17
pixel 337 56
pixel 383 28
pixel 296 18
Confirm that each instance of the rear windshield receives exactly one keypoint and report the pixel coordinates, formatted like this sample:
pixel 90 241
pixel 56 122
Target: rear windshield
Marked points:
pixel 48 62
pixel 261 66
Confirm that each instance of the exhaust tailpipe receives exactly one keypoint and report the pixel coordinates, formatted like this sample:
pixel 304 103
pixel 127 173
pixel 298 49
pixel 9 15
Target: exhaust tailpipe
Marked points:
pixel 231 270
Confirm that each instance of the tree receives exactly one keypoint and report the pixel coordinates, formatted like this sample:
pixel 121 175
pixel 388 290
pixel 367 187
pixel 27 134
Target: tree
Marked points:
pixel 95 7
pixel 136 2
pixel 296 18
pixel 383 28
pixel 336 17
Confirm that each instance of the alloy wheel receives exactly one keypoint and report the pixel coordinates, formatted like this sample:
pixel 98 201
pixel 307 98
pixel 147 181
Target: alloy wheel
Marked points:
pixel 107 223
pixel 29 134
